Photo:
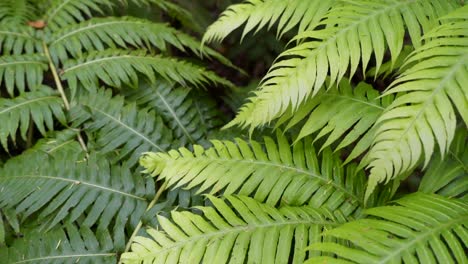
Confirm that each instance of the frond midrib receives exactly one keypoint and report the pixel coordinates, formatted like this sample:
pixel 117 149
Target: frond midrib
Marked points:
pixel 49 18
pixel 68 256
pixel 21 62
pixel 17 34
pixel 282 166
pixel 131 129
pixel 6 110
pixel 176 118
pixel 99 60
pixel 74 182
pixel 351 98
pixel 238 229
pixel 423 237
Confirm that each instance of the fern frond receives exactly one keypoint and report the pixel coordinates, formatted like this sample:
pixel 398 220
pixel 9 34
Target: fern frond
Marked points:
pixel 189 117
pixel 251 232
pixel 259 13
pixel 434 84
pixel 276 174
pixel 343 113
pixel 420 229
pixel 19 71
pixel 91 191
pixel 16 39
pixel 120 128
pixel 117 67
pixel 352 33
pixel 61 13
pixel 39 107
pixel 183 15
pixel 69 244
pixel 449 176
pixel 17 11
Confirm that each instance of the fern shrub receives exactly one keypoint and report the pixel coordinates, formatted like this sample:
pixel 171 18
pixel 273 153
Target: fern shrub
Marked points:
pixel 368 98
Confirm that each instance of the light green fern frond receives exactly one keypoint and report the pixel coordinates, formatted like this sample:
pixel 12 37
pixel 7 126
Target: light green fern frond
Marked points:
pixel 118 67
pixel 89 191
pixel 420 229
pixel 69 244
pixel 274 174
pixel 343 113
pixel 120 128
pixel 353 32
pixel 16 39
pixel 21 71
pixel 39 107
pixel 188 118
pixel 449 176
pixel 250 232
pixel 433 86
pixel 259 13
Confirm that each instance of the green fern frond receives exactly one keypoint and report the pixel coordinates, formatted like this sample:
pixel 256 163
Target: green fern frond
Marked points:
pixel 449 176
pixel 183 15
pixel 89 191
pixel 420 229
pixel 117 67
pixel 189 117
pixel 259 13
pixel 352 33
pixel 433 85
pixel 17 11
pixel 16 39
pixel 343 113
pixel 250 232
pixel 61 13
pixel 274 174
pixel 120 128
pixel 69 244
pixel 21 71
pixel 39 107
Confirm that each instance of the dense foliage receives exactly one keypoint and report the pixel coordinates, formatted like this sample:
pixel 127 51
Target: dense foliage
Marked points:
pixel 116 145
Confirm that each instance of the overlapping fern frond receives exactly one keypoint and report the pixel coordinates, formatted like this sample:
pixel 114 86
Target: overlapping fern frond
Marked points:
pixel 420 229
pixel 121 67
pixel 434 85
pixel 21 71
pixel 119 127
pixel 69 244
pixel 39 107
pixel 260 13
pixel 17 39
pixel 352 34
pixel 17 11
pixel 190 118
pixel 249 232
pixel 276 174
pixel 92 191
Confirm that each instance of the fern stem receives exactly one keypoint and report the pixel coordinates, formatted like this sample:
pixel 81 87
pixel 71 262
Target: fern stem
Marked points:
pixel 58 83
pixel 140 224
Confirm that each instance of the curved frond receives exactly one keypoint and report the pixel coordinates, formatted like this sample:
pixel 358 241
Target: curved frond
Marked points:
pixel 433 85
pixel 69 244
pixel 189 117
pixel 17 39
pixel 120 128
pixel 259 13
pixel 39 107
pixel 274 174
pixel 343 113
pixel 251 232
pixel 91 191
pixel 449 176
pixel 353 33
pixel 21 71
pixel 61 13
pixel 17 11
pixel 117 67
pixel 420 229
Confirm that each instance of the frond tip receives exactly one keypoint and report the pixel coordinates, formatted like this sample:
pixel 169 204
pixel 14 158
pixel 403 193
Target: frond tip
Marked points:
pixel 420 229
pixel 251 232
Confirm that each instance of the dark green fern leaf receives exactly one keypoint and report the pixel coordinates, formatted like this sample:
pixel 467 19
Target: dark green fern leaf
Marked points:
pixel 275 173
pixel 420 229
pixel 250 232
pixel 69 244
pixel 118 67
pixel 17 11
pixel 21 71
pixel 39 107
pixel 124 129
pixel 16 39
